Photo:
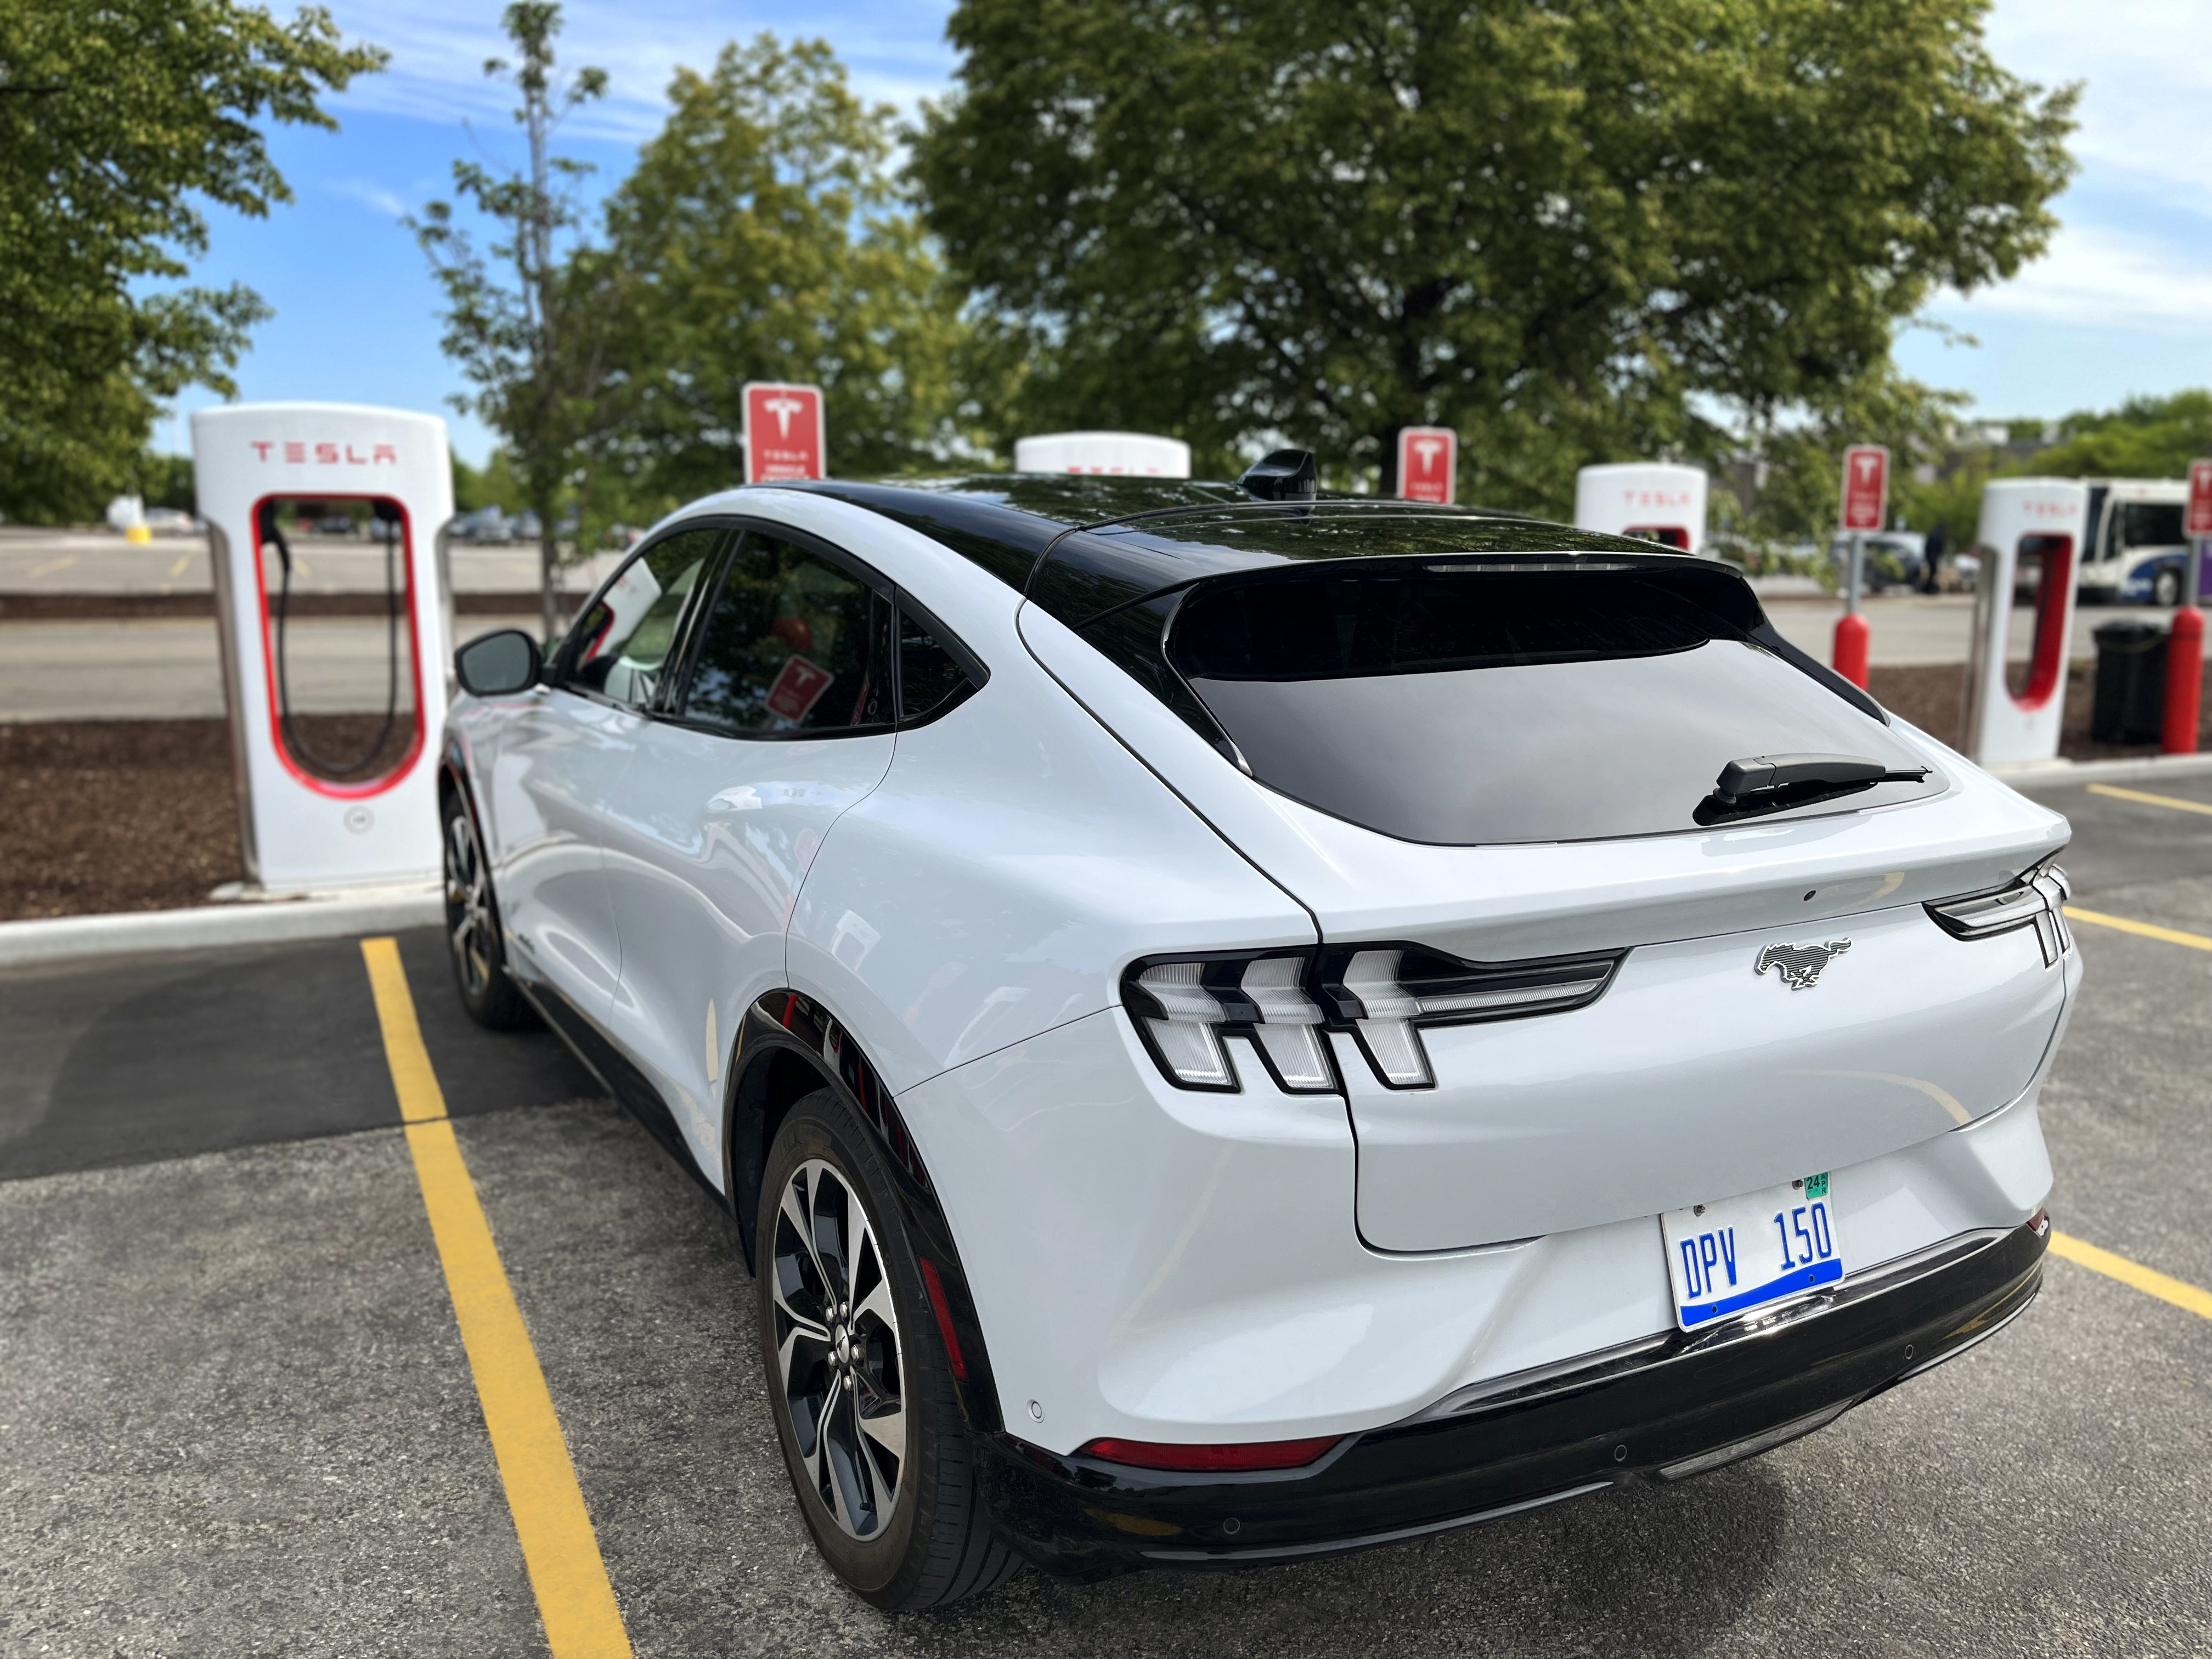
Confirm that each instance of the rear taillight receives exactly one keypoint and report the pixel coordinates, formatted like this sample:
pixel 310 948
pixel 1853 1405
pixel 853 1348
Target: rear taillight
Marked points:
pixel 1387 993
pixel 2037 900
pixel 1383 994
pixel 1185 1008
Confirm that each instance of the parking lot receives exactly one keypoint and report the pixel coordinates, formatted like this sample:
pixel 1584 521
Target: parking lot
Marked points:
pixel 238 1415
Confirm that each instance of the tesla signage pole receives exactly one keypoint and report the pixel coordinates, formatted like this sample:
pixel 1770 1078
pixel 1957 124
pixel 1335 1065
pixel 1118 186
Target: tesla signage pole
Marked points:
pixel 783 432
pixel 2200 527
pixel 1428 462
pixel 2184 646
pixel 1865 506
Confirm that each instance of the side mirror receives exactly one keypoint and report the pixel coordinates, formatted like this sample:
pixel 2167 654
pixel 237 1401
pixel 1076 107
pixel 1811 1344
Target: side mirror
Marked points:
pixel 498 665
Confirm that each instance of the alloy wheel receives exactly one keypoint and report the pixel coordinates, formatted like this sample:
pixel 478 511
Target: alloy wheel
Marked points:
pixel 467 903
pixel 839 1361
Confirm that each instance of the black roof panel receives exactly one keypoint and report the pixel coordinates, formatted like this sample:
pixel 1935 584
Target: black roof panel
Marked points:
pixel 1080 545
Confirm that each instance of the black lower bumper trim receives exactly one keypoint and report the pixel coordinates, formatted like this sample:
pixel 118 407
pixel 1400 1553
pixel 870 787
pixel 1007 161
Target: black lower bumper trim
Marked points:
pixel 1690 1404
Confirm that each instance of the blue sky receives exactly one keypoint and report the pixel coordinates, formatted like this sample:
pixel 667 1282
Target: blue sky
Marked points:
pixel 2123 303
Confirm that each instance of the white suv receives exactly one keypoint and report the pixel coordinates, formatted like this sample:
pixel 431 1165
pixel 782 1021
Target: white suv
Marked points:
pixel 1236 1025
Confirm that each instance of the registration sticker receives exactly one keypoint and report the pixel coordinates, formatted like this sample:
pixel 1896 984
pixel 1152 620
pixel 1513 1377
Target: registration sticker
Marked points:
pixel 1738 1254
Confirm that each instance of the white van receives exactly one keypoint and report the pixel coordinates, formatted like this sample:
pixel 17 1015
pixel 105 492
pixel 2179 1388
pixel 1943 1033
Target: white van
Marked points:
pixel 2132 521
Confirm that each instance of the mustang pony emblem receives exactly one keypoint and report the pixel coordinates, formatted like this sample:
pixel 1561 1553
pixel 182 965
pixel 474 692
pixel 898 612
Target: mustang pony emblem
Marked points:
pixel 1800 965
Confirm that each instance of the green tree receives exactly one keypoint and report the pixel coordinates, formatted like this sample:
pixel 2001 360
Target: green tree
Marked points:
pixel 2143 438
pixel 759 238
pixel 1559 226
pixel 525 320
pixel 117 119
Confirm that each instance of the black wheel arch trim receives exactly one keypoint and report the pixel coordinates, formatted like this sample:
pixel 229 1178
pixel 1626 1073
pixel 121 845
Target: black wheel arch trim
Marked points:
pixel 788 1045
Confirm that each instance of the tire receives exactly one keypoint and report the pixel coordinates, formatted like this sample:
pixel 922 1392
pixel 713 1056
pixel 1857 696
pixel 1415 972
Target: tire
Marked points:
pixel 848 1343
pixel 473 942
pixel 2166 589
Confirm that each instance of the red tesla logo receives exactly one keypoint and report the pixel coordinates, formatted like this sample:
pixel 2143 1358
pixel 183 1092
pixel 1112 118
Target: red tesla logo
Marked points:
pixel 783 433
pixel 797 687
pixel 1428 462
pixel 303 454
pixel 1866 486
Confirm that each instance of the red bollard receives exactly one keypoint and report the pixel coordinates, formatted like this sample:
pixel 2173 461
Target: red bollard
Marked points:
pixel 2184 681
pixel 1853 637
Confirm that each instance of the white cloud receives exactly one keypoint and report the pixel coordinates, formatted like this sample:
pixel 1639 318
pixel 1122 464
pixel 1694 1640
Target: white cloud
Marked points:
pixel 2148 66
pixel 371 194
pixel 2099 276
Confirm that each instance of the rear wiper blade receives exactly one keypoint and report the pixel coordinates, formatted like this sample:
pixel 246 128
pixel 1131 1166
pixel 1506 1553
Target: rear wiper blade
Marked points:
pixel 1774 783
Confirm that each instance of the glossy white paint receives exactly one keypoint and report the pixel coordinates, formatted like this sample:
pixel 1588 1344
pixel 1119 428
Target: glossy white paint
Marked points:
pixel 708 841
pixel 546 766
pixel 1014 859
pixel 1166 1265
pixel 1695 1077
pixel 302 833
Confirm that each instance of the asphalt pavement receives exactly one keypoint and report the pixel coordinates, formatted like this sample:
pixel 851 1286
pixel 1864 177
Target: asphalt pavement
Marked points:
pixel 237 1416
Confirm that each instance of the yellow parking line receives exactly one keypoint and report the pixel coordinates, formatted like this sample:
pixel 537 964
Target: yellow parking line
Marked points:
pixel 2175 801
pixel 558 1546
pixel 2148 1280
pixel 2170 935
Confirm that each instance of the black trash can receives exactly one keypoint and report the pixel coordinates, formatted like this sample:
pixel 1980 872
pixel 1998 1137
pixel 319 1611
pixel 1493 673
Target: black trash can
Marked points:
pixel 2130 703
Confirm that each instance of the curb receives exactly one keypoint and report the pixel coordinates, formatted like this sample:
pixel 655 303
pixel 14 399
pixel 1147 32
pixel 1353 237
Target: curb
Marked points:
pixel 323 915
pixel 2044 774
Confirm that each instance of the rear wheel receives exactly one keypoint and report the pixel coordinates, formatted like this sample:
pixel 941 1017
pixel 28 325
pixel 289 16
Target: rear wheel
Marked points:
pixel 864 1402
pixel 472 936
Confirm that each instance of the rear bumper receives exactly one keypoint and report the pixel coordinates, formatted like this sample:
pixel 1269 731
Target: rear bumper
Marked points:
pixel 1666 1410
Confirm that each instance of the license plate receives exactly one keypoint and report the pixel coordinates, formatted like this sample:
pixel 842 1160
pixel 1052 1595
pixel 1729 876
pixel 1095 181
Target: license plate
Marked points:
pixel 1742 1253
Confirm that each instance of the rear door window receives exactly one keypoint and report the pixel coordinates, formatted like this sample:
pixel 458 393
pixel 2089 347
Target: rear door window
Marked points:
pixel 795 642
pixel 1510 700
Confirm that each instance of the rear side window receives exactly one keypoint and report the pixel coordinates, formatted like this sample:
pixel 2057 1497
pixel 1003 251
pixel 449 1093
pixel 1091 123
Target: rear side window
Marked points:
pixel 931 677
pixel 793 642
pixel 1511 700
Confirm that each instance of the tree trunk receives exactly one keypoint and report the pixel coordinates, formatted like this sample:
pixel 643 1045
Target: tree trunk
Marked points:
pixel 1386 478
pixel 549 563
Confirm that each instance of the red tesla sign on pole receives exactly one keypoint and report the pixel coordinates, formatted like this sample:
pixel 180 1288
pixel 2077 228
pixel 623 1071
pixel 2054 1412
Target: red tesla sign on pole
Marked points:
pixel 783 432
pixel 1866 486
pixel 1428 462
pixel 2200 498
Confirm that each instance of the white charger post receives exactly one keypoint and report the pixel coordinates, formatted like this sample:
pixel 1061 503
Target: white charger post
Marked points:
pixel 281 485
pixel 2014 710
pixel 1652 501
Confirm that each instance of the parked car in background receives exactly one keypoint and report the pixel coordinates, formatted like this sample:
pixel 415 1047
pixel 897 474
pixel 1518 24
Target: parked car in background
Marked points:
pixel 486 525
pixel 1893 558
pixel 2133 523
pixel 171 521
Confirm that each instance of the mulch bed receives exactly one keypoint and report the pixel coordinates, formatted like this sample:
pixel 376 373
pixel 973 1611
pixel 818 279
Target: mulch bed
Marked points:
pixel 139 814
pixel 125 815
pixel 1932 695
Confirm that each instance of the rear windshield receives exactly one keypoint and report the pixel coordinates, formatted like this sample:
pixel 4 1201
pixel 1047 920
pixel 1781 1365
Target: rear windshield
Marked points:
pixel 1511 701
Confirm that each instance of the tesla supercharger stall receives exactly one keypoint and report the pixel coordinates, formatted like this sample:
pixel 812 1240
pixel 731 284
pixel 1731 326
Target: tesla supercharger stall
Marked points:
pixel 1114 454
pixel 2031 536
pixel 330 795
pixel 1651 500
